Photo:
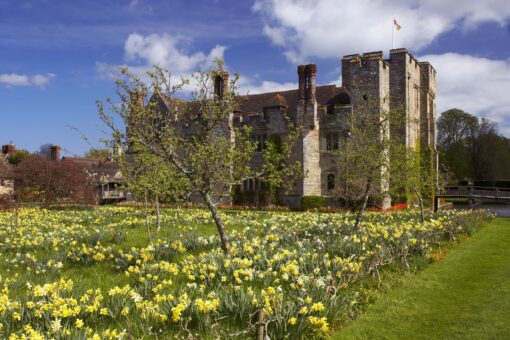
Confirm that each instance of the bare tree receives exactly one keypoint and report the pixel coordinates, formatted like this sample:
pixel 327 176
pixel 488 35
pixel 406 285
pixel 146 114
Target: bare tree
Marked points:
pixel 195 136
pixel 363 159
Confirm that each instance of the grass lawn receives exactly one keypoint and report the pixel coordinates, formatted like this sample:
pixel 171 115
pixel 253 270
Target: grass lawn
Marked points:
pixel 464 296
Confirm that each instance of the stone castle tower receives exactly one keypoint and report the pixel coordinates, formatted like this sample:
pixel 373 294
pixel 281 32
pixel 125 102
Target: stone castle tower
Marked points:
pixel 400 83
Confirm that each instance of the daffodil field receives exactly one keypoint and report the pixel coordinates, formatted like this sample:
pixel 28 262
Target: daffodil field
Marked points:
pixel 92 274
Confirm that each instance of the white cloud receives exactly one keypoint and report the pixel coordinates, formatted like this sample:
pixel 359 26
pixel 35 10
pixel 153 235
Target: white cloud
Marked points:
pixel 164 50
pixel 14 79
pixel 332 28
pixel 476 85
pixel 141 52
pixel 41 80
pixel 248 85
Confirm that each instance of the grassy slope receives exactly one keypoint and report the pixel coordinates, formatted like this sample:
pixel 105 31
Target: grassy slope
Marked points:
pixel 464 296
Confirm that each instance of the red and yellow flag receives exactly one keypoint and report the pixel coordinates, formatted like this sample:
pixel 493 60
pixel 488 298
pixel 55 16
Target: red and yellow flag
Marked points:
pixel 396 25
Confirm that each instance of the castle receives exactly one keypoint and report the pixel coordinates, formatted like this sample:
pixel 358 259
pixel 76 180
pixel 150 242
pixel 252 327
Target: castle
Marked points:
pixel 399 82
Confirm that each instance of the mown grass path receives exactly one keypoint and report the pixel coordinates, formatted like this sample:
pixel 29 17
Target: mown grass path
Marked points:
pixel 464 296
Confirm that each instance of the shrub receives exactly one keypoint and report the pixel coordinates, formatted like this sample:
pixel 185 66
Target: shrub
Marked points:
pixel 312 202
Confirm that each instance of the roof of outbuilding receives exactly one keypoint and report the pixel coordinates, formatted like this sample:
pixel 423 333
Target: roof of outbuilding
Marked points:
pixel 101 167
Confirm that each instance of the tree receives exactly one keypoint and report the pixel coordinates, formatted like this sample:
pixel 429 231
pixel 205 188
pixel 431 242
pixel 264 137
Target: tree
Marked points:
pixel 45 150
pixel 40 179
pixel 278 170
pixel 472 148
pixel 18 156
pixel 412 174
pixel 149 176
pixel 196 137
pixel 363 159
pixel 455 131
pixel 101 154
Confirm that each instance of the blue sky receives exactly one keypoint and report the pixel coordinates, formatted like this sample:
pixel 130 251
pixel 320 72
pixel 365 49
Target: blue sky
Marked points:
pixel 55 56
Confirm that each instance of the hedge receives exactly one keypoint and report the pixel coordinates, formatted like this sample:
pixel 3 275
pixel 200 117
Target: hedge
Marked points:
pixel 312 202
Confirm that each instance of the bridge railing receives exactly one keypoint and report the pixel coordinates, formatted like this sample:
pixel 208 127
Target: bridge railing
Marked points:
pixel 476 191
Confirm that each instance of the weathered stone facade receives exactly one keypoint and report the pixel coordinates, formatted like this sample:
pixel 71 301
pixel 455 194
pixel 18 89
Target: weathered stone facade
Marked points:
pixel 400 82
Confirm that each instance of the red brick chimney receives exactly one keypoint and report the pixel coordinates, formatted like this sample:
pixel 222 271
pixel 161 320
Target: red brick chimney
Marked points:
pixel 302 82
pixel 312 77
pixel 307 78
pixel 221 84
pixel 55 153
pixel 8 149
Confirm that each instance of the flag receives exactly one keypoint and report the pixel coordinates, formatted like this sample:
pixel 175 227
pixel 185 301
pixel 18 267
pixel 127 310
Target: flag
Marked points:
pixel 396 25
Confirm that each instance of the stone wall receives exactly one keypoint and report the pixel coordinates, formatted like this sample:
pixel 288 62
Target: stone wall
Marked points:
pixel 405 95
pixel 367 78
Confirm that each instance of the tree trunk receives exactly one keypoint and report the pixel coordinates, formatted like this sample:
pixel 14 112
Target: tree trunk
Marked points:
pixel 257 197
pixel 16 213
pixel 420 200
pixel 147 226
pixel 361 211
pixel 158 215
pixel 225 245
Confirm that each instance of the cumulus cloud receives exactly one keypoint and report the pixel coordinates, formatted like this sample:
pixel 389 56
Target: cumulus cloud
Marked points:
pixel 164 50
pixel 141 52
pixel 247 85
pixel 332 28
pixel 14 79
pixel 476 85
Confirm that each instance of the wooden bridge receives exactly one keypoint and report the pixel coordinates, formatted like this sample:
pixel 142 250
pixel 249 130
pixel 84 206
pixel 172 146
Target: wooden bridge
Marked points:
pixel 474 195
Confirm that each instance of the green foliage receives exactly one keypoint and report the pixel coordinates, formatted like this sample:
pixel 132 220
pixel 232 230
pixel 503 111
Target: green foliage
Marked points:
pixel 112 279
pixel 96 153
pixel 246 197
pixel 18 156
pixel 193 141
pixel 452 295
pixel 279 171
pixel 312 202
pixel 471 148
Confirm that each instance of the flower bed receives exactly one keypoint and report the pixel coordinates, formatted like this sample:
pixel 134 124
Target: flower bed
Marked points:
pixel 295 272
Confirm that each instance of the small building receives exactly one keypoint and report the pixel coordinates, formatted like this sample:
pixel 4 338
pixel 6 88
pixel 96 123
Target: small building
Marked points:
pixel 6 175
pixel 104 175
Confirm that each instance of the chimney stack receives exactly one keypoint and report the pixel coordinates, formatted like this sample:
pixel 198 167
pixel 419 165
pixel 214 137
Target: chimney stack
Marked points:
pixel 307 82
pixel 221 84
pixel 8 149
pixel 302 82
pixel 55 153
pixel 136 98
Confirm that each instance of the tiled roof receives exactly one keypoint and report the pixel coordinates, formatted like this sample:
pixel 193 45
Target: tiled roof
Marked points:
pixel 101 167
pixel 326 95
